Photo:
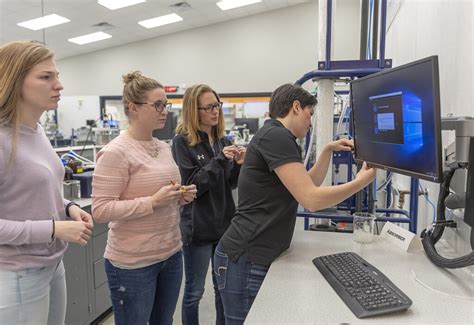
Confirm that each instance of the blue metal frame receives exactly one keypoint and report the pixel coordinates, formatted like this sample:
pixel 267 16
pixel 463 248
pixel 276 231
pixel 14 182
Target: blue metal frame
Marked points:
pixel 351 69
pixel 383 27
pixel 355 64
pixel 328 34
pixel 336 74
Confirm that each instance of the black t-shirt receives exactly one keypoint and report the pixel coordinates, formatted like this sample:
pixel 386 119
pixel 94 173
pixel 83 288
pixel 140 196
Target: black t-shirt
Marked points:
pixel 265 218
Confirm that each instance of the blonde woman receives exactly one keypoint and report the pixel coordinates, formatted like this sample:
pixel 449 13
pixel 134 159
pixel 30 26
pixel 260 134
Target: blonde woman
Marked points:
pixel 137 189
pixel 207 160
pixel 35 220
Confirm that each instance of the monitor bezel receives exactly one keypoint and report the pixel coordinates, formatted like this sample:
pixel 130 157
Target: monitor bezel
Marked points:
pixel 253 119
pixel 437 121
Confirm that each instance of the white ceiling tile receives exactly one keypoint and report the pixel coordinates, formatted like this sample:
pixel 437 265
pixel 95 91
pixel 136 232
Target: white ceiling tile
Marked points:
pixel 85 13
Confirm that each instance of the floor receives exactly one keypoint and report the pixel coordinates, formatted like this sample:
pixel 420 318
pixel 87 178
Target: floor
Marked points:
pixel 207 313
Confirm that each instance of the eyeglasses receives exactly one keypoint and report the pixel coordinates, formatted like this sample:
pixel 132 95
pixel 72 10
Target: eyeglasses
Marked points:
pixel 216 106
pixel 159 106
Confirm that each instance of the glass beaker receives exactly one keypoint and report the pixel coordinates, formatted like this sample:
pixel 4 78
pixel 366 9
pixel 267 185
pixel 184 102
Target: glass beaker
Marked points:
pixel 246 135
pixel 363 224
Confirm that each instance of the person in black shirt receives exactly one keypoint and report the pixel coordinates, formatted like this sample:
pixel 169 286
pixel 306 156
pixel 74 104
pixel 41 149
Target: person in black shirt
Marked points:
pixel 206 159
pixel 272 182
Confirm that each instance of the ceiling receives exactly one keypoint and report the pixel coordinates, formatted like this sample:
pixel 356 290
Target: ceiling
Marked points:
pixel 84 14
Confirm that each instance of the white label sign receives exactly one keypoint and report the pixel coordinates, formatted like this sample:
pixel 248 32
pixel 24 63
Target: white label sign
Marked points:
pixel 400 237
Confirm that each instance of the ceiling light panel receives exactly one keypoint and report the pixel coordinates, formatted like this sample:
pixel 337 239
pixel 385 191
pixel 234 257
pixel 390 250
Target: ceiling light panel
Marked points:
pixel 160 21
pixel 44 22
pixel 231 4
pixel 89 38
pixel 117 4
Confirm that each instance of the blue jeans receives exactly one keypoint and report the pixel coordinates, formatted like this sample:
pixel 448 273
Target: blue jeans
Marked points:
pixel 238 284
pixel 33 296
pixel 145 295
pixel 196 265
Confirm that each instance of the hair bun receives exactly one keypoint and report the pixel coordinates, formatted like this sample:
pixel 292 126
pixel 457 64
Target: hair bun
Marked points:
pixel 131 76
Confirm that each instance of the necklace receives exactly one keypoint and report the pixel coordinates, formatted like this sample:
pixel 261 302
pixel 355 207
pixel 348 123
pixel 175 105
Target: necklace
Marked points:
pixel 151 149
pixel 154 150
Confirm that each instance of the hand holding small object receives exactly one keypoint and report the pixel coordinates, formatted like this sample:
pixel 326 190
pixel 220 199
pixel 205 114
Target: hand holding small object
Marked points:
pixel 188 194
pixel 239 157
pixel 229 151
pixel 169 194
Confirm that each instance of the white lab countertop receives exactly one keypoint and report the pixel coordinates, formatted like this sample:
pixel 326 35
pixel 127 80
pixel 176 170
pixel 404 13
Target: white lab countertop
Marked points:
pixel 83 202
pixel 294 292
pixel 86 147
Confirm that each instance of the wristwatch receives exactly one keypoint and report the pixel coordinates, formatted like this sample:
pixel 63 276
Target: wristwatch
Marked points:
pixel 68 206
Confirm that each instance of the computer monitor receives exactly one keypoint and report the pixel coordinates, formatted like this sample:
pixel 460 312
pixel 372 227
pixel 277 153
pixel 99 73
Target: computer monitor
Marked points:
pixel 251 124
pixel 396 119
pixel 168 131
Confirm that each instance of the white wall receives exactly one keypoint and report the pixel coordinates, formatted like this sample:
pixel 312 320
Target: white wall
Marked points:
pixel 73 111
pixel 444 28
pixel 346 30
pixel 253 54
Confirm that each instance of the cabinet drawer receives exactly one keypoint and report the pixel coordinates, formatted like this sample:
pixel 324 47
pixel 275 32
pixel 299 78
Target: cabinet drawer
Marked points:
pixel 100 277
pixel 100 228
pixel 75 262
pixel 98 246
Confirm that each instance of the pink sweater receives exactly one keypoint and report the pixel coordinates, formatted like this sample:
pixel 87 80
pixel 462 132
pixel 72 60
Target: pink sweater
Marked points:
pixel 125 178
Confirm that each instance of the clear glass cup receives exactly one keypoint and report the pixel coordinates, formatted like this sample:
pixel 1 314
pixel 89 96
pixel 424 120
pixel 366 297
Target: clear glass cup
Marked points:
pixel 363 224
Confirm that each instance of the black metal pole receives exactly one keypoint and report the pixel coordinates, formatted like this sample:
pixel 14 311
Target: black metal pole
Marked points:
pixel 328 34
pixel 383 26
pixel 364 10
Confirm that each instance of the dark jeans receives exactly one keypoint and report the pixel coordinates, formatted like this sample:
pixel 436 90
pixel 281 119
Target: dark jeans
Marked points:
pixel 196 265
pixel 148 294
pixel 238 284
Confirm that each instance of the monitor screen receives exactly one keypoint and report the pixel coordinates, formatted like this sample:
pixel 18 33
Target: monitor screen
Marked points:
pixel 396 119
pixel 250 123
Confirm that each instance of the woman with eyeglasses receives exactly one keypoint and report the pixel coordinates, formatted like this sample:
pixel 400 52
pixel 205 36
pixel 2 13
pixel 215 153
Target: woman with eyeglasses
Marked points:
pixel 209 161
pixel 137 190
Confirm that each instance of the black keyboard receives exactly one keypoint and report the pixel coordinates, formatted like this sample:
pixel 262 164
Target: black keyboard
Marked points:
pixel 363 288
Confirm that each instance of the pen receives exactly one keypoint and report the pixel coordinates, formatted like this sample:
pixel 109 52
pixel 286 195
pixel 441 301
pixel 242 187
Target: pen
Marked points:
pixel 183 188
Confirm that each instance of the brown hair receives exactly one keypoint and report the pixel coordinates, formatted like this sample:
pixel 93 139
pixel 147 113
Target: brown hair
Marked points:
pixel 283 97
pixel 16 61
pixel 135 88
pixel 190 125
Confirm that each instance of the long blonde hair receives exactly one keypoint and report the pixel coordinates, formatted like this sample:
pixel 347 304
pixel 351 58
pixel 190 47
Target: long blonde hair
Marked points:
pixel 190 125
pixel 16 61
